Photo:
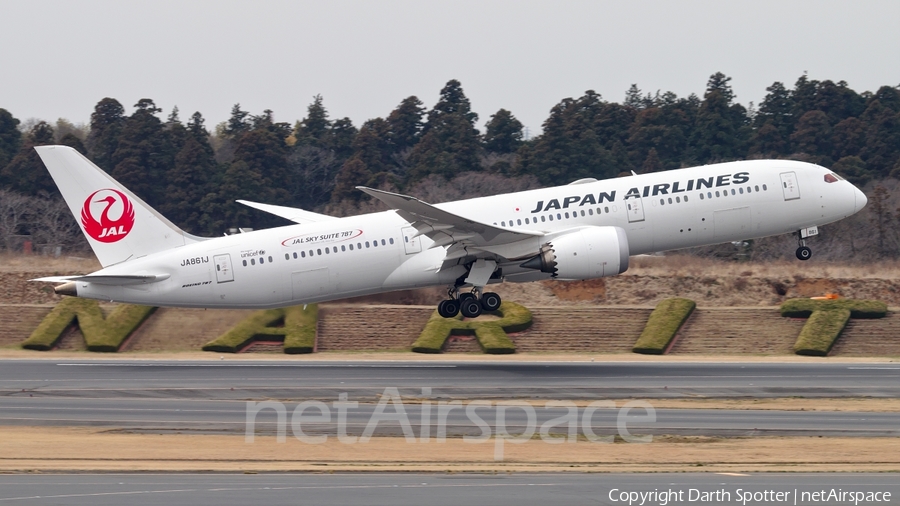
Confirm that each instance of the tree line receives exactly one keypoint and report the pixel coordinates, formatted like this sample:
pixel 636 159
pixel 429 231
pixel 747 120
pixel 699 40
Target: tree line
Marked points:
pixel 193 175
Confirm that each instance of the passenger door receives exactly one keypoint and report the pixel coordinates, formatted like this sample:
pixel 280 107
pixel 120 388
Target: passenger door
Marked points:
pixel 635 208
pixel 789 186
pixel 224 272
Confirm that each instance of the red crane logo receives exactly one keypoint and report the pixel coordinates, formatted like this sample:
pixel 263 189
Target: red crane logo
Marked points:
pixel 108 201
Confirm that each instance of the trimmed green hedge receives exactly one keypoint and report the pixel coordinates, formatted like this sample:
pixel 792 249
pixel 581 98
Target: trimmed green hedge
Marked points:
pixel 664 322
pixel 821 332
pixel 803 308
pixel 491 335
pixel 298 332
pixel 100 334
pixel 300 329
pixel 827 319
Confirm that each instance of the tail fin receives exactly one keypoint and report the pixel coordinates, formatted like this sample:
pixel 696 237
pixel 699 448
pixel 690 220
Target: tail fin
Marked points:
pixel 118 225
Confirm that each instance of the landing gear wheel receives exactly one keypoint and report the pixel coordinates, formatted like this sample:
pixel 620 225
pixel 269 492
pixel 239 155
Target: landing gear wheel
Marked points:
pixel 448 308
pixel 470 308
pixel 490 301
pixel 804 253
pixel 466 296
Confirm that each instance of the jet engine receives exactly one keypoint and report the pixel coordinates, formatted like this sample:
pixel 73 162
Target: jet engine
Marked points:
pixel 584 253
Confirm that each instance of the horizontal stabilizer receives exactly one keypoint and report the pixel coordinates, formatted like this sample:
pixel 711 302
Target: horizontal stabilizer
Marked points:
pixel 113 280
pixel 289 213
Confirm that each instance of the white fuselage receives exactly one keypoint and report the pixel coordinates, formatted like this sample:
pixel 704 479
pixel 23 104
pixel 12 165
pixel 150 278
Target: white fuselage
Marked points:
pixel 380 252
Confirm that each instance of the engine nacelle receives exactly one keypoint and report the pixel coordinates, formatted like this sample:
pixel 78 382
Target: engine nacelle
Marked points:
pixel 585 253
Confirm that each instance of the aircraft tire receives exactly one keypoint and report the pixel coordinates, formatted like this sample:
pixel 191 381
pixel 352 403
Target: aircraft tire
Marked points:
pixel 804 253
pixel 448 308
pixel 490 301
pixel 471 308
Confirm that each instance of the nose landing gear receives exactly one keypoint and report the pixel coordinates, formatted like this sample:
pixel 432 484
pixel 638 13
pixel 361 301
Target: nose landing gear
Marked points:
pixel 804 252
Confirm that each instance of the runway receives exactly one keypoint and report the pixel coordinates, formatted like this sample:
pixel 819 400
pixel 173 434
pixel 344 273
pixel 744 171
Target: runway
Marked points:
pixel 436 489
pixel 166 396
pixel 299 379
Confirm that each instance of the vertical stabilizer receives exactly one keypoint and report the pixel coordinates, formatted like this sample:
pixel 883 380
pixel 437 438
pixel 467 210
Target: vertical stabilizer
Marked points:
pixel 118 225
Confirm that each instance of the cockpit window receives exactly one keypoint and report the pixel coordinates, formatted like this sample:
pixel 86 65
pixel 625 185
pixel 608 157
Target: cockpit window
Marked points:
pixel 832 178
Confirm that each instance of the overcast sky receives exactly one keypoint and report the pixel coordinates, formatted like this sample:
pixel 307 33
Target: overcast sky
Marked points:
pixel 58 59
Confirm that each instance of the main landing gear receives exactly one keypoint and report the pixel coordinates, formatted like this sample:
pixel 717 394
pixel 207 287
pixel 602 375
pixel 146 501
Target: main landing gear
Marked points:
pixel 470 304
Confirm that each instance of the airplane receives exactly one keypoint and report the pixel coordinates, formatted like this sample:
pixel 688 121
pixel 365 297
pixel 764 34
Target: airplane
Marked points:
pixel 586 229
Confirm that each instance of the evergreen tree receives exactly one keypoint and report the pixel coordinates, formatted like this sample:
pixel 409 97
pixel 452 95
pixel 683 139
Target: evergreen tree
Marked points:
pixel 848 138
pixel 73 141
pixel 144 153
pixel 188 185
pixel 237 123
pixel 812 136
pixel 10 137
pixel 882 147
pixel 774 122
pixel 503 133
pixel 340 138
pixel 405 123
pixel 26 173
pixel 314 128
pixel 722 128
pixel 352 174
pixel 107 121
pixel 449 143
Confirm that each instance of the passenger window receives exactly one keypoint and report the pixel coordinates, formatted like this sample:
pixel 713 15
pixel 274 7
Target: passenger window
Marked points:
pixel 502 223
pixel 764 188
pixel 351 246
pixel 252 261
pixel 382 242
pixel 591 212
pixel 295 255
pixel 287 257
pixel 543 219
pixel 606 209
pixel 270 259
pixel 551 217
pixel 375 243
pixel 582 213
pixel 343 248
pixel 526 221
pixel 662 202
pixel 709 195
pixel 303 254
pixel 392 240
pixel 558 216
pixel 717 193
pixel 701 196
pixel 367 244
pixel 518 222
pixel 359 245
pixel 741 190
pixel 326 250
pixel 319 251
pixel 670 200
pixel 685 198
pixel 678 200
pixel 245 263
pixel 732 191
pixel 262 260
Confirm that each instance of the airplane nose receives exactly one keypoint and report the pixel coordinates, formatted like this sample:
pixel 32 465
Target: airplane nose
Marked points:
pixel 860 199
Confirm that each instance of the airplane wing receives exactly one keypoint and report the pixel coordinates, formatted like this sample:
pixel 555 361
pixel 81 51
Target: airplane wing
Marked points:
pixel 462 236
pixel 115 280
pixel 289 213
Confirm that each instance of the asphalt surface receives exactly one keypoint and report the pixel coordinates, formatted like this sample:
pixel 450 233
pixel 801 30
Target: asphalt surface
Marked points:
pixel 298 379
pixel 165 396
pixel 446 489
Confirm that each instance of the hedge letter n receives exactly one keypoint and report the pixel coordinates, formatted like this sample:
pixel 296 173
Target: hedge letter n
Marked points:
pixel 100 334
